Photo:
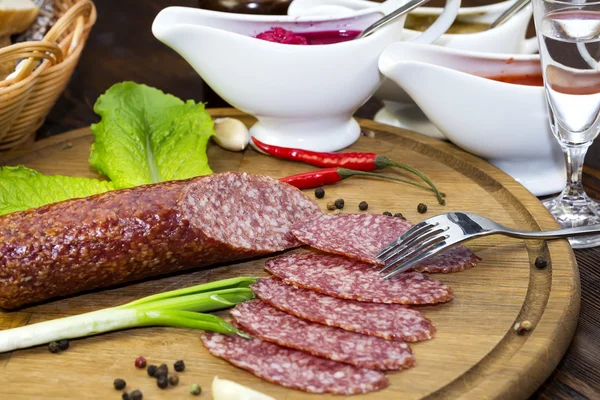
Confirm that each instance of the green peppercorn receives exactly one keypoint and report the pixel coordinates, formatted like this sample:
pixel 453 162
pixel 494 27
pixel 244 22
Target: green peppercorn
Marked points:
pixel 162 381
pixel 541 262
pixel 63 344
pixel 53 347
pixel 152 370
pixel 331 205
pixel 173 380
pixel 363 205
pixel 387 213
pixel 422 208
pixel 125 396
pixel 136 395
pixel 179 365
pixel 319 193
pixel 195 389
pixel 399 215
pixel 339 204
pixel 119 384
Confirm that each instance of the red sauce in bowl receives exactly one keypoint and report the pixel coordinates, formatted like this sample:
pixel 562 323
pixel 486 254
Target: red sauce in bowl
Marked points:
pixel 525 79
pixel 280 35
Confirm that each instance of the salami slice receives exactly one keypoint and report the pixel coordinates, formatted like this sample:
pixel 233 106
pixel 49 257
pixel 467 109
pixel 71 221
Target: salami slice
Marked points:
pixel 268 323
pixel 293 368
pixel 346 278
pixel 389 321
pixel 362 236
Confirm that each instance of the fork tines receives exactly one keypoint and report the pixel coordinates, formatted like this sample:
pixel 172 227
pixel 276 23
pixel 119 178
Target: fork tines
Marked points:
pixel 415 245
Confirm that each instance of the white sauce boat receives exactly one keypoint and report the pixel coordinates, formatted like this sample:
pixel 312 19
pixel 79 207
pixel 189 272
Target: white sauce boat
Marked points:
pixel 303 96
pixel 399 109
pixel 505 123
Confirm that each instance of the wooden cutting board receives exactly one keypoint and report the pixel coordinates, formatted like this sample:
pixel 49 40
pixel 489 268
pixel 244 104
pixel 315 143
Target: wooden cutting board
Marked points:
pixel 477 354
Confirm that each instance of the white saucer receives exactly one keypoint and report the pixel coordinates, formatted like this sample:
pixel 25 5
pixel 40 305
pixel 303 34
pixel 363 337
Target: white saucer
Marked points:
pixel 540 177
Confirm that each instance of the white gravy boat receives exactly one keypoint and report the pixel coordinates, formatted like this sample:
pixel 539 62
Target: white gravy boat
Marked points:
pixel 399 108
pixel 506 38
pixel 302 96
pixel 505 123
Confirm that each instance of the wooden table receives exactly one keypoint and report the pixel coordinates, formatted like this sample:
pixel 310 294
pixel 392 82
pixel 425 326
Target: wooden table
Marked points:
pixel 121 47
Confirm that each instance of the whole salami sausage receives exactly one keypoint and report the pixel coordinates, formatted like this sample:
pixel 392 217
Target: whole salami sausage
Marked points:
pixel 129 234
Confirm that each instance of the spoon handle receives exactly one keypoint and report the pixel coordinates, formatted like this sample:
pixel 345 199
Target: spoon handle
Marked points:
pixel 509 12
pixel 406 8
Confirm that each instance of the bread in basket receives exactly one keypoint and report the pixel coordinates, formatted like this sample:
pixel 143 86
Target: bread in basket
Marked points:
pixel 27 97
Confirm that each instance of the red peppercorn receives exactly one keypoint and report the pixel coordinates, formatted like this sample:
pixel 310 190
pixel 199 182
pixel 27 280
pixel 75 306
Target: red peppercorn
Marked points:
pixel 140 362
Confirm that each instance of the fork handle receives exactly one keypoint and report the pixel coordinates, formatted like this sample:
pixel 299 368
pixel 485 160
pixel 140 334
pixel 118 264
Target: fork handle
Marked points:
pixel 562 233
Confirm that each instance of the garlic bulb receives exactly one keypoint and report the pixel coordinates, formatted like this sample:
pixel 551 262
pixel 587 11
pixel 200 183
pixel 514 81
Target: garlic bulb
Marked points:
pixel 231 134
pixel 223 389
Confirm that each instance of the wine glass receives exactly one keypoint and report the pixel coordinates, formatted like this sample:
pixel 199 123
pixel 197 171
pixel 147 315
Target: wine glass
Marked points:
pixel 569 37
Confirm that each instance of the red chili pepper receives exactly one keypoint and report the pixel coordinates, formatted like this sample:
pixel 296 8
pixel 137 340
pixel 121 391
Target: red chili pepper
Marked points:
pixel 329 176
pixel 351 160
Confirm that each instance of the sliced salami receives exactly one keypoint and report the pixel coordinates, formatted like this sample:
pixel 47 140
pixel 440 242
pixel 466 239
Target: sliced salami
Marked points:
pixel 268 323
pixel 389 321
pixel 362 236
pixel 346 278
pixel 293 368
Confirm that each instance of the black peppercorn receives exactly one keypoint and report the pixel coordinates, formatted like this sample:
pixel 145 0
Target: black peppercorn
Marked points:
pixel 53 347
pixel 179 365
pixel 63 344
pixel 195 389
pixel 399 215
pixel 152 370
pixel 339 204
pixel 541 262
pixel 119 384
pixel 363 205
pixel 162 381
pixel 389 214
pixel 136 395
pixel 319 193
pixel 162 370
pixel 125 396
pixel 422 208
pixel 173 380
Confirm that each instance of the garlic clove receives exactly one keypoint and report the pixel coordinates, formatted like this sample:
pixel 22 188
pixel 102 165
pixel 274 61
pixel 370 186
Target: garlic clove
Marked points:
pixel 223 389
pixel 231 134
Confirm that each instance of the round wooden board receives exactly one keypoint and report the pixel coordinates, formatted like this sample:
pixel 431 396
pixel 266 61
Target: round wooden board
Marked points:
pixel 476 353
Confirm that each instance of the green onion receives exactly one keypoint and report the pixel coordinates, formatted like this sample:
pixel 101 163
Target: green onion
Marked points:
pixel 183 308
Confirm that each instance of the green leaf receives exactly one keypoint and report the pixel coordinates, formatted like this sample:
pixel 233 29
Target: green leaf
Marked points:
pixel 22 188
pixel 147 136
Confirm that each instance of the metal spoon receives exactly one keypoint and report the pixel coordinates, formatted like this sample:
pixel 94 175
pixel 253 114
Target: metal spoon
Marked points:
pixel 509 12
pixel 406 8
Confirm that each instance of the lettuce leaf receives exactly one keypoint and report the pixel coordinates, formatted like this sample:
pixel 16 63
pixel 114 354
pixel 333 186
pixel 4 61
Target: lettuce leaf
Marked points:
pixel 22 188
pixel 147 136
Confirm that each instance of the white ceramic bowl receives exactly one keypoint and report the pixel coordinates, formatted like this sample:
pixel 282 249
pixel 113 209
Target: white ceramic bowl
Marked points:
pixel 504 123
pixel 303 96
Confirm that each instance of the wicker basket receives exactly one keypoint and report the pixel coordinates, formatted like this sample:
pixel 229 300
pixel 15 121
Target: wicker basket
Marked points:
pixel 26 99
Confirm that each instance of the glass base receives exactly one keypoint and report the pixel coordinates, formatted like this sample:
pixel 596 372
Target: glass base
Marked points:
pixel 573 211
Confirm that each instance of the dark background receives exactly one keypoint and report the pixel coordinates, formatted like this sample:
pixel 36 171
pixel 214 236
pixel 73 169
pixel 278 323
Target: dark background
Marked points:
pixel 121 47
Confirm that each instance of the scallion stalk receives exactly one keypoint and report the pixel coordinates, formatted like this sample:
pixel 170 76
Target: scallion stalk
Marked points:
pixel 182 308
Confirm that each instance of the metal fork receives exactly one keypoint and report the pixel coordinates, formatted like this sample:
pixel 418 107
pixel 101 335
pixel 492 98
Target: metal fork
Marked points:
pixel 443 231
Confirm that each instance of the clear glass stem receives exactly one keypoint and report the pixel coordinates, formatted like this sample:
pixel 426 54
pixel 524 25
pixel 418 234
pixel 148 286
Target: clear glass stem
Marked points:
pixel 574 157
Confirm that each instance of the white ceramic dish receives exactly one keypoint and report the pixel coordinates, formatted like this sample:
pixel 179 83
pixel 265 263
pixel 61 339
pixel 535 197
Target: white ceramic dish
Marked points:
pixel 302 96
pixel 507 38
pixel 506 124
